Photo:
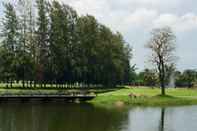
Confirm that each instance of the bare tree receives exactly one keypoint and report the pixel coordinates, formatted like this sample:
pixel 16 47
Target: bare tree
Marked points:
pixel 162 46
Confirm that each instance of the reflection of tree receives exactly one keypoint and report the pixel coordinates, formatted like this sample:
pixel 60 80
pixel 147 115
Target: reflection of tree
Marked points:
pixel 58 117
pixel 162 121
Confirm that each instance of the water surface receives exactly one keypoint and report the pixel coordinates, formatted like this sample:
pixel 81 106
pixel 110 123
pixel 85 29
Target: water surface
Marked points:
pixel 85 117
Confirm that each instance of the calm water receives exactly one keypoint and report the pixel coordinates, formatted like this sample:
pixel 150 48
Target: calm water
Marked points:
pixel 83 117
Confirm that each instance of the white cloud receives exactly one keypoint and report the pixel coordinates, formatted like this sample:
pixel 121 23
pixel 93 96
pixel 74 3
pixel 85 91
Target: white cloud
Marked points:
pixel 186 22
pixel 141 14
pixel 150 4
pixel 88 6
pixel 135 19
pixel 141 17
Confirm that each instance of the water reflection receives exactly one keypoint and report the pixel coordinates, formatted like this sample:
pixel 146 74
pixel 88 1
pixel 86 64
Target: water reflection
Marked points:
pixel 162 119
pixel 161 126
pixel 85 117
pixel 59 117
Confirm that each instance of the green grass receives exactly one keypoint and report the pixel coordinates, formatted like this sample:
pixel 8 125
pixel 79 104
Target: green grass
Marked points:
pixel 150 97
pixel 109 97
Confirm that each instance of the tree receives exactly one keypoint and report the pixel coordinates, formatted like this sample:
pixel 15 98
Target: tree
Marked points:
pixel 10 38
pixel 189 77
pixel 147 77
pixel 178 78
pixel 42 38
pixel 128 73
pixel 133 76
pixel 150 77
pixel 88 43
pixel 162 45
pixel 71 47
pixel 59 42
pixel 56 45
pixel 26 42
pixel 104 55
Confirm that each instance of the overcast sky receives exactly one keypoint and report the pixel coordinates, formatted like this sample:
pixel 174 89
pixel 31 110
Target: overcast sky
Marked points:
pixel 135 19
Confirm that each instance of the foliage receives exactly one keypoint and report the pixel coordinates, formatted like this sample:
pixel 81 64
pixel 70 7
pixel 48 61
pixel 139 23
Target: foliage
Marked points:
pixel 186 78
pixel 50 43
pixel 147 77
pixel 10 37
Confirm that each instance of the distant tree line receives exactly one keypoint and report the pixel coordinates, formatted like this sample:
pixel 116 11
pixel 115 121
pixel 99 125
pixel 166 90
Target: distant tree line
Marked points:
pixel 46 42
pixel 149 77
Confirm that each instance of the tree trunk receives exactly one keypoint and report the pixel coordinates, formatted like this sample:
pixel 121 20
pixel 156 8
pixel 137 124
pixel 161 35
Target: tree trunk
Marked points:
pixel 34 83
pixel 30 85
pixel 162 71
pixel 23 82
pixel 163 92
pixel 162 84
pixel 11 83
pixel 45 85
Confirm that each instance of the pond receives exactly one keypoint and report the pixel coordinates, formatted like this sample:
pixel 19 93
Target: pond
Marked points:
pixel 85 117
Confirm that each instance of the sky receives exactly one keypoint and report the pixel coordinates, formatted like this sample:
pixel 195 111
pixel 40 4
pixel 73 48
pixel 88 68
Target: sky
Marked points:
pixel 136 18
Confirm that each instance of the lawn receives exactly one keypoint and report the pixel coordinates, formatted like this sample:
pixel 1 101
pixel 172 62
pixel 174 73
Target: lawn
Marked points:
pixel 147 97
pixel 110 97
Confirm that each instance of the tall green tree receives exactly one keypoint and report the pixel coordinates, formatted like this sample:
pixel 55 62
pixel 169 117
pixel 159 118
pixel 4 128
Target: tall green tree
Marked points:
pixel 60 46
pixel 26 42
pixel 10 39
pixel 71 47
pixel 42 41
pixel 58 40
pixel 88 35
pixel 104 55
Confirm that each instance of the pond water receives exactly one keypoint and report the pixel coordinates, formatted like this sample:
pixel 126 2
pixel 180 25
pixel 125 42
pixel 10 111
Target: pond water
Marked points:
pixel 85 117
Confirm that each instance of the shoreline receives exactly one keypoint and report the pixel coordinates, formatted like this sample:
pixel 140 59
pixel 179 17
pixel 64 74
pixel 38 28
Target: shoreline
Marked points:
pixel 127 96
pixel 146 97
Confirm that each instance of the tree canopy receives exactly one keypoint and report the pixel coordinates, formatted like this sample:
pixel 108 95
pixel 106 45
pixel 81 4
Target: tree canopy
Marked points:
pixel 162 46
pixel 56 45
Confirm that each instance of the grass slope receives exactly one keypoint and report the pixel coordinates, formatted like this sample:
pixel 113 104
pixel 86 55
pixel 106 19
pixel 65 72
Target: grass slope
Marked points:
pixel 152 97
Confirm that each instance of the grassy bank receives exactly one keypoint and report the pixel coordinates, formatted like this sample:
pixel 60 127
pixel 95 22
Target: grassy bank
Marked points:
pixel 120 96
pixel 147 97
